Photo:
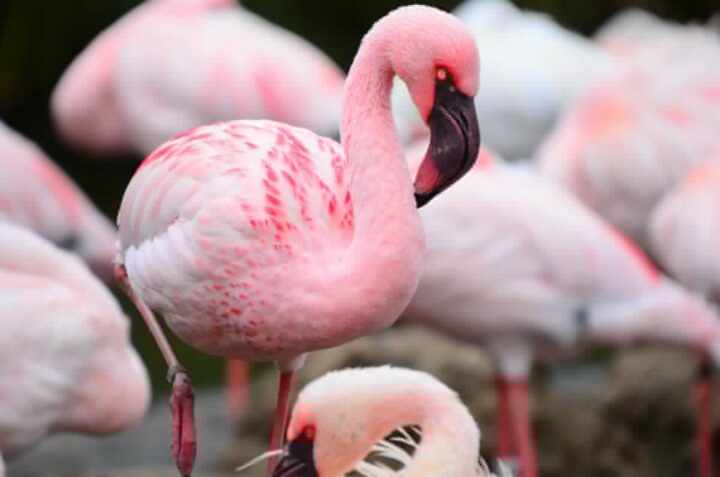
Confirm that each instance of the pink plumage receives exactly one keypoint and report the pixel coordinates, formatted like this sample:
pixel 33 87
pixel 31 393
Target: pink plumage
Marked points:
pixel 66 362
pixel 631 138
pixel 264 241
pixel 36 193
pixel 169 65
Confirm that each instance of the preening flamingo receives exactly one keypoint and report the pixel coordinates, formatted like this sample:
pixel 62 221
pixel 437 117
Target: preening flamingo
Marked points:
pixel 36 193
pixel 66 362
pixel 520 266
pixel 630 139
pixel 169 65
pixel 345 415
pixel 263 241
pixel 532 68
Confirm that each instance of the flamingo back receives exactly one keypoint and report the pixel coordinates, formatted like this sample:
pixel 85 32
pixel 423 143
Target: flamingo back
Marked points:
pixel 228 211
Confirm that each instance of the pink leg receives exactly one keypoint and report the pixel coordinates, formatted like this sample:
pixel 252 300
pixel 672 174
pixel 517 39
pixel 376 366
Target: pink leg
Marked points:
pixel 515 393
pixel 702 397
pixel 237 379
pixel 184 445
pixel 277 436
pixel 505 441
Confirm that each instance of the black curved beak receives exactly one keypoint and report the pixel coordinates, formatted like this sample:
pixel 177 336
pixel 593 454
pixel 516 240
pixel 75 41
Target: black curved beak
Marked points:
pixel 297 460
pixel 454 142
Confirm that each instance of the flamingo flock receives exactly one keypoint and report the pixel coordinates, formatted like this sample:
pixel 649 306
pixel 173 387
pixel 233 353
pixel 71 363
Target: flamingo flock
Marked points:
pixel 257 236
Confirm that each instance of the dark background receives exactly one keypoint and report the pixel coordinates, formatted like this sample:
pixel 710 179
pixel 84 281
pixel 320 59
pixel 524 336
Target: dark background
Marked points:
pixel 39 38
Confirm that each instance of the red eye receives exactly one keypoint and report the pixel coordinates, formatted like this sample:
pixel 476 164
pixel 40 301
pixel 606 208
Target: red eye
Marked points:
pixel 441 73
pixel 307 434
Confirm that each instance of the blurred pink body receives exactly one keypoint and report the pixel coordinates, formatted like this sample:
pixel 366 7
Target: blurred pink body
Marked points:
pixel 629 140
pixel 685 230
pixel 66 362
pixel 518 263
pixel 170 65
pixel 34 192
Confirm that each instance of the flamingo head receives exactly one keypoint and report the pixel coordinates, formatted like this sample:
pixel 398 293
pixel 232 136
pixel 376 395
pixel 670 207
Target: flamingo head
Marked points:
pixel 437 58
pixel 340 417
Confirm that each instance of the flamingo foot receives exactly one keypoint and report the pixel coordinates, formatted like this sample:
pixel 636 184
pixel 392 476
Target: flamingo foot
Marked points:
pixel 182 401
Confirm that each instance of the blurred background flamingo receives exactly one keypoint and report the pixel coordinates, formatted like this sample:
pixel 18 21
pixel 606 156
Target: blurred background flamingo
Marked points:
pixel 628 140
pixel 520 266
pixel 169 65
pixel 66 362
pixel 36 193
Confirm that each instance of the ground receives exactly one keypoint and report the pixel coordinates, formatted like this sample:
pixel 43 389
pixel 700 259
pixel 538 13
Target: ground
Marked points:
pixel 627 414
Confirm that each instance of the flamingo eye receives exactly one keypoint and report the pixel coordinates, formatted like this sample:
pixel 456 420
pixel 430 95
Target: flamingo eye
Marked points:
pixel 441 73
pixel 307 434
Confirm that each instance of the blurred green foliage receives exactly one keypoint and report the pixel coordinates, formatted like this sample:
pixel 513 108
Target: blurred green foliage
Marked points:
pixel 39 38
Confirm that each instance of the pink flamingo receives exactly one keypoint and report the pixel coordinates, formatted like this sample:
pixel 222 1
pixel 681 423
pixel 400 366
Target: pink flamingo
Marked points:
pixel 263 241
pixel 169 65
pixel 34 192
pixel 345 415
pixel 66 362
pixel 517 264
pixel 630 139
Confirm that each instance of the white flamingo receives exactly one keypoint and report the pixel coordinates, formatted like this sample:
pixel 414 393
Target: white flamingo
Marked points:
pixel 66 362
pixel 345 415
pixel 169 65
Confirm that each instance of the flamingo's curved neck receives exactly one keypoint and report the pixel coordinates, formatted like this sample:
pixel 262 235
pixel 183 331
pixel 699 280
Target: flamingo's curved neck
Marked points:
pixel 450 437
pixel 387 245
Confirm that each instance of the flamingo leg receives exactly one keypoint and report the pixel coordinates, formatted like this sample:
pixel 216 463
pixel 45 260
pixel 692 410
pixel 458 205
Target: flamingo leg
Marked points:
pixel 277 435
pixel 702 397
pixel 237 379
pixel 184 441
pixel 515 396
pixel 506 448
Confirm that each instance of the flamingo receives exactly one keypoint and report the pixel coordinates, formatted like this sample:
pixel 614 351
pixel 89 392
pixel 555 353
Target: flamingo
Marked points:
pixel 263 241
pixel 629 139
pixel 344 415
pixel 66 362
pixel 532 69
pixel 36 193
pixel 520 266
pixel 169 65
